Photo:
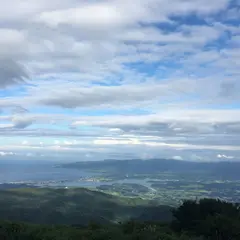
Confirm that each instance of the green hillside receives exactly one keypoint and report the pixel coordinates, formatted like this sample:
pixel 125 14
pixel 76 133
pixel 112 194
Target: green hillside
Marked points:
pixel 75 206
pixel 207 219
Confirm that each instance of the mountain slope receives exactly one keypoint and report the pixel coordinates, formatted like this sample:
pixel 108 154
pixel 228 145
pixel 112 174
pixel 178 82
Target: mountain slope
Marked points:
pixel 224 170
pixel 74 206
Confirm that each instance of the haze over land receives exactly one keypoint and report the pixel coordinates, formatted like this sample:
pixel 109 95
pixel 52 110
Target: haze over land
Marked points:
pixel 90 80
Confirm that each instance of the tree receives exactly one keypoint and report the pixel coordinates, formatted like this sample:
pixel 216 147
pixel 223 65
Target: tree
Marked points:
pixel 213 218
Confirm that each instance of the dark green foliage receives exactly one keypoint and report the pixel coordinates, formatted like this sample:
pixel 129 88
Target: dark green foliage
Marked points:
pixel 211 218
pixel 206 219
pixel 75 206
pixel 127 231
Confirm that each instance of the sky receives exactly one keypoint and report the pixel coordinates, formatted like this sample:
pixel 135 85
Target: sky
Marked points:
pixel 117 79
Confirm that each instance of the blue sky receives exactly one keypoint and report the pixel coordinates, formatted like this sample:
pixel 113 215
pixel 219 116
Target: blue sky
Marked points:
pixel 87 80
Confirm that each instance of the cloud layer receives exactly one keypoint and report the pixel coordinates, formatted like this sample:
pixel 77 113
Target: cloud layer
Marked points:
pixel 120 79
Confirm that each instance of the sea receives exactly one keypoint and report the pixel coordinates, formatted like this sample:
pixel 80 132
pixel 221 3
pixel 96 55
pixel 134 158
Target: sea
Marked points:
pixel 50 175
pixel 14 171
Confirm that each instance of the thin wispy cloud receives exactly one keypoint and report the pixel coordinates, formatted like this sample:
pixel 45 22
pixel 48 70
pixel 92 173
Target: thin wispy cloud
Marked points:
pixel 120 78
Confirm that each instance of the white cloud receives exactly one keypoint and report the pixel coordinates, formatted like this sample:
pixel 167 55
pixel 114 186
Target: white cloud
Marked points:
pixel 225 156
pixel 25 142
pixel 178 121
pixel 21 121
pixel 143 76
pixel 6 126
pixel 18 121
pixel 164 145
pixel 11 37
pixel 116 142
pixel 177 158
pixel 3 154
pixel 105 16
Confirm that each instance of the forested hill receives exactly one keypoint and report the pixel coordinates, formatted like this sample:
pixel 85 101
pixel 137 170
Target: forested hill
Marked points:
pixel 206 219
pixel 75 206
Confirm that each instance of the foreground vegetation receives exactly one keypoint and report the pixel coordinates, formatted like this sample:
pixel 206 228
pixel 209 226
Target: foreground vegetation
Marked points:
pixel 193 220
pixel 75 206
pixel 86 214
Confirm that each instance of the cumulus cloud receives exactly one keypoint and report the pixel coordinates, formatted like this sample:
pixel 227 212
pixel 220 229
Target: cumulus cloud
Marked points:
pixel 11 72
pixel 177 158
pixel 17 122
pixel 107 96
pixel 224 156
pixel 21 121
pixel 49 36
pixel 141 76
pixel 19 110
pixel 178 121
pixel 3 154
pixel 128 95
pixel 160 144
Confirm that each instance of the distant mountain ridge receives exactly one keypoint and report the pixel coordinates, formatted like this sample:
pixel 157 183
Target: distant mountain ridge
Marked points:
pixel 227 169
